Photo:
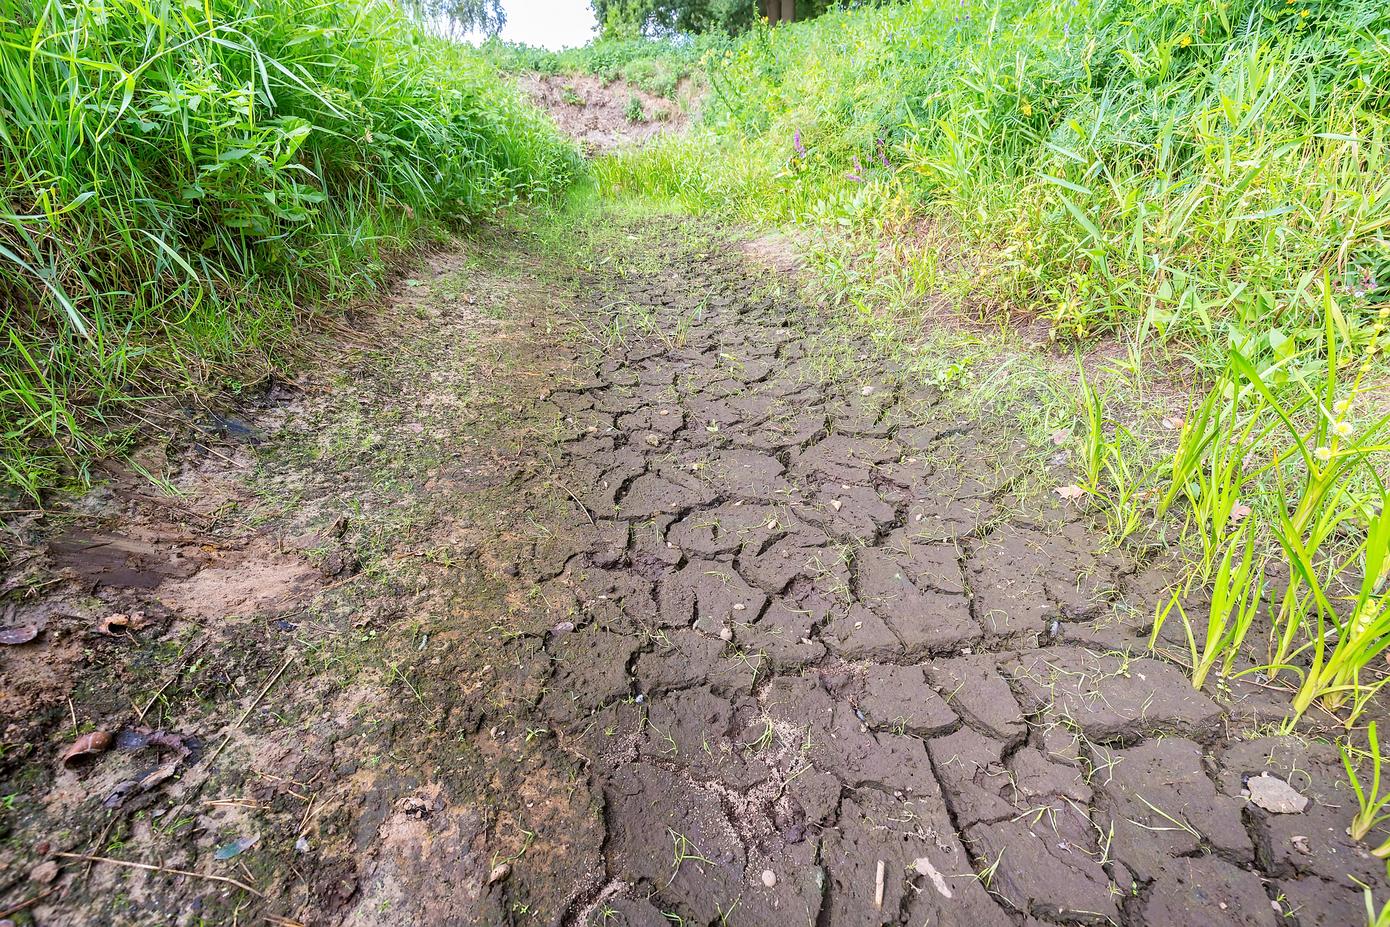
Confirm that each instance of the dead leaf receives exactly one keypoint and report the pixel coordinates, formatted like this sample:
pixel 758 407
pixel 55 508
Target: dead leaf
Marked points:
pixel 87 745
pixel 1070 492
pixel 23 634
pixel 1172 422
pixel 1060 437
pixel 114 624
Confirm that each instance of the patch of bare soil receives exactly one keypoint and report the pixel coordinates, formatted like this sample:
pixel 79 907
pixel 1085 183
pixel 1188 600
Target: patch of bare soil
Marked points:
pixel 583 599
pixel 603 117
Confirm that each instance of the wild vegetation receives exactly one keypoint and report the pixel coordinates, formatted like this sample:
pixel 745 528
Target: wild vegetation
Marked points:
pixel 181 184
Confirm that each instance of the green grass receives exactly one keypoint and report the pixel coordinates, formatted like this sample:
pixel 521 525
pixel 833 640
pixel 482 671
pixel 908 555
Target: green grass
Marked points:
pixel 1179 172
pixel 180 183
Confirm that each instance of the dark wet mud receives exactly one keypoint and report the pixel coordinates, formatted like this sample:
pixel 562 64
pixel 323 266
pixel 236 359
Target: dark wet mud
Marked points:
pixel 599 603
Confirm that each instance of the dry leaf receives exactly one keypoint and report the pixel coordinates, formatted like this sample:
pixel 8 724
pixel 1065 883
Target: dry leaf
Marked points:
pixel 1060 437
pixel 20 635
pixel 88 745
pixel 1070 492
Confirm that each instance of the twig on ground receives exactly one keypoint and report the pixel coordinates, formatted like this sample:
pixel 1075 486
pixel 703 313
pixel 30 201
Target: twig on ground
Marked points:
pixel 150 867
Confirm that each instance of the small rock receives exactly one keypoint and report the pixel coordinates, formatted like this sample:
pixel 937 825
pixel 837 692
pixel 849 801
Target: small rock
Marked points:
pixel 769 878
pixel 836 504
pixel 1275 795
pixel 654 440
pixel 44 872
pixel 499 872
pixel 725 634
pixel 302 844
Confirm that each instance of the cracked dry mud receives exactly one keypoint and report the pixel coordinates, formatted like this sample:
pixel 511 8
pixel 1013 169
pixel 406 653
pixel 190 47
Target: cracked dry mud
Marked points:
pixel 661 625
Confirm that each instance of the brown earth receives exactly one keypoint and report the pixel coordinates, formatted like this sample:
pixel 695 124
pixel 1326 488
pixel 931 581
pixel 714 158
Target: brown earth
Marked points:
pixel 586 598
pixel 599 114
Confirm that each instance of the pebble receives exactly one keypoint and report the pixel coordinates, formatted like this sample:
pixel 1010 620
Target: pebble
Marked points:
pixel 726 634
pixel 769 878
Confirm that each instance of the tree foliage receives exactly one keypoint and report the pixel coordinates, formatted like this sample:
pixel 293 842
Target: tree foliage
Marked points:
pixel 629 18
pixel 485 16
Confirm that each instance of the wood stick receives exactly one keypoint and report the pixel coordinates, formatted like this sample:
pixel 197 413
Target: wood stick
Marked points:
pixel 878 886
pixel 149 867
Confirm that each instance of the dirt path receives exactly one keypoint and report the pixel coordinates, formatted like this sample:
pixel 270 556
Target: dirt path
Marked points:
pixel 584 598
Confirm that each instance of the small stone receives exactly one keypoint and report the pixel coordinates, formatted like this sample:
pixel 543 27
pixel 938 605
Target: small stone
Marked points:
pixel 769 878
pixel 44 872
pixel 654 440
pixel 739 606
pixel 867 391
pixel 836 504
pixel 725 634
pixel 499 872
pixel 1275 795
pixel 664 412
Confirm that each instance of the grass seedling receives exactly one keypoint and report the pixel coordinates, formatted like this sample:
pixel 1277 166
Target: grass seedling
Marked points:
pixel 1371 804
pixel 1236 594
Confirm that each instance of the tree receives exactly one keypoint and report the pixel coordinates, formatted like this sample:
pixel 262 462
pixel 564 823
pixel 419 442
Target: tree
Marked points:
pixel 657 17
pixel 485 16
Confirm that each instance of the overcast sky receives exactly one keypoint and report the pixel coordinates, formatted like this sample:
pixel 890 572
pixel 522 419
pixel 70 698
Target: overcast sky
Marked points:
pixel 552 24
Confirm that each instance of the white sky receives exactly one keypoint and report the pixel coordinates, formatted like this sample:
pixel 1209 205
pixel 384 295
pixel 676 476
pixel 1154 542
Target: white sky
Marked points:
pixel 552 24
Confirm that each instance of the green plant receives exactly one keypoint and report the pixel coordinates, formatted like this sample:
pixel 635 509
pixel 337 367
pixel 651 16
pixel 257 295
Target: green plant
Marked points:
pixel 634 112
pixel 1236 594
pixel 1370 802
pixel 181 184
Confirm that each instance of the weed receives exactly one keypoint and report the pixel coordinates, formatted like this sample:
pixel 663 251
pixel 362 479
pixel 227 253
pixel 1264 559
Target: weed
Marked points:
pixel 1371 803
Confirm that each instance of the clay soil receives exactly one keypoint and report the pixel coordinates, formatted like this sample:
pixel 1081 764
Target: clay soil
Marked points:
pixel 574 591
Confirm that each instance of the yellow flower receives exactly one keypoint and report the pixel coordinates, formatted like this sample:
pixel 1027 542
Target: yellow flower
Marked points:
pixel 1341 406
pixel 1026 109
pixel 1323 454
pixel 1342 429
pixel 1303 13
pixel 1185 41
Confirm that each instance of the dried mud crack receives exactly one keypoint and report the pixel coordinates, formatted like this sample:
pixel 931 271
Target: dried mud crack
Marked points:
pixel 587 598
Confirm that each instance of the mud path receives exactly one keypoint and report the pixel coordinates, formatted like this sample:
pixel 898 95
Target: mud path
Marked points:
pixel 587 598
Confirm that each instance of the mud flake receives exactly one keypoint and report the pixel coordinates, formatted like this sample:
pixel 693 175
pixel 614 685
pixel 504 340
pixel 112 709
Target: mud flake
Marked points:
pixel 898 697
pixel 875 829
pixel 687 657
pixel 1206 892
pixel 705 593
pixel 1110 697
pixel 1158 799
pixel 590 670
pixel 974 688
pixel 1051 873
pixel 653 494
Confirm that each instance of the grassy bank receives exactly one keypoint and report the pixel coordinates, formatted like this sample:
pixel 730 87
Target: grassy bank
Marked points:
pixel 1177 171
pixel 179 184
pixel 1204 185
